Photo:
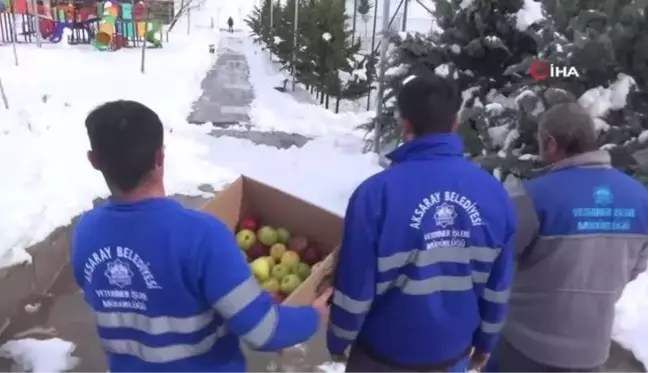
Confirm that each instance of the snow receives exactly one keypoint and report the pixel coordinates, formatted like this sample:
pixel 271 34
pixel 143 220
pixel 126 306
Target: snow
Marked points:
pixel 34 355
pixel 326 36
pixel 530 13
pixel 598 101
pixel 397 70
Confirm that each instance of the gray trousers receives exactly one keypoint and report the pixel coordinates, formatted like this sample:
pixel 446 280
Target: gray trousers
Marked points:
pixel 360 362
pixel 510 359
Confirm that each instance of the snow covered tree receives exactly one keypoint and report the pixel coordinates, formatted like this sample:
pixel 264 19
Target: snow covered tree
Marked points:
pixel 488 47
pixel 479 42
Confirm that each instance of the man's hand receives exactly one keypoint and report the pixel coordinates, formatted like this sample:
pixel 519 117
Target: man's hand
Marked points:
pixel 478 360
pixel 321 304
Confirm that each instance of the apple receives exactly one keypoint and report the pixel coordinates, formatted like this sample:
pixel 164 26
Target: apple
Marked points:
pixel 245 239
pixel 310 255
pixel 271 261
pixel 297 243
pixel 284 235
pixel 261 269
pixel 267 235
pixel 280 271
pixel 277 250
pixel 257 250
pixel 290 258
pixel 290 283
pixel 302 270
pixel 271 285
pixel 249 224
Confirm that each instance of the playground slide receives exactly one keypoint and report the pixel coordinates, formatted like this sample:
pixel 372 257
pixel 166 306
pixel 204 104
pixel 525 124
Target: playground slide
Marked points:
pixel 152 35
pixel 104 36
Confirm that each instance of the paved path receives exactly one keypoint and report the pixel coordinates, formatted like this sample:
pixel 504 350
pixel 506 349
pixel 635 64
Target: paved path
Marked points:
pixel 228 93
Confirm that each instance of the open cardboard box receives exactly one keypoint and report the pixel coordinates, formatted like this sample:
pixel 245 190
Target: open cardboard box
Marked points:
pixel 247 197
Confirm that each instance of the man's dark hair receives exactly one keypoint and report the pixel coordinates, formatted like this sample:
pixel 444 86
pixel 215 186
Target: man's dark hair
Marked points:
pixel 125 137
pixel 430 104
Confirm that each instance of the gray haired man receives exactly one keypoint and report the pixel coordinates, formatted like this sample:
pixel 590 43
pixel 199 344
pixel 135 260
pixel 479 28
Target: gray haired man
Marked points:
pixel 582 236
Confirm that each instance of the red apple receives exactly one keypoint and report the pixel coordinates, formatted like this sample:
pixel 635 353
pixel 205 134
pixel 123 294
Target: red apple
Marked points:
pixel 310 255
pixel 297 244
pixel 257 250
pixel 249 223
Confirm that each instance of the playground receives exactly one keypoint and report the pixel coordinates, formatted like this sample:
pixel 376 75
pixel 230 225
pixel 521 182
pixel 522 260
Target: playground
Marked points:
pixel 106 25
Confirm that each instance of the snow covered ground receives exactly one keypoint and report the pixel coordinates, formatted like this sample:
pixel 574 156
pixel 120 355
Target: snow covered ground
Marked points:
pixel 47 180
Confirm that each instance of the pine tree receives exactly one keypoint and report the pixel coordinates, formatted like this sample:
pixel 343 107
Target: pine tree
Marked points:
pixel 284 35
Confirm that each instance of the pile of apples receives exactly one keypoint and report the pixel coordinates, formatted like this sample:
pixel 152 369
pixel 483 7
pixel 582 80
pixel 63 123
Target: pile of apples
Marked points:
pixel 279 262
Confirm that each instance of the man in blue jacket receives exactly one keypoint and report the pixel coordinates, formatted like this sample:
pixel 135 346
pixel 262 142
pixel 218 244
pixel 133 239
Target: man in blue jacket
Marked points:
pixel 582 236
pixel 169 287
pixel 427 255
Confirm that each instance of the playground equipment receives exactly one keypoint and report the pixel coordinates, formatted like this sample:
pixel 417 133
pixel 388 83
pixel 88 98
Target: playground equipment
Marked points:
pixel 113 35
pixel 104 38
pixel 108 25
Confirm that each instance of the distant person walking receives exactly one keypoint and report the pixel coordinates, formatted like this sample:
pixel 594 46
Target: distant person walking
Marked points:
pixel 168 286
pixel 582 236
pixel 230 24
pixel 426 261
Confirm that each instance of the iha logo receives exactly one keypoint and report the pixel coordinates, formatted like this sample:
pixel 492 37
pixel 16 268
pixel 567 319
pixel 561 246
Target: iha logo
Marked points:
pixel 542 70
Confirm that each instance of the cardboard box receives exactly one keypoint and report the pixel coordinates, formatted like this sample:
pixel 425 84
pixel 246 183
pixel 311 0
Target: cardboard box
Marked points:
pixel 247 197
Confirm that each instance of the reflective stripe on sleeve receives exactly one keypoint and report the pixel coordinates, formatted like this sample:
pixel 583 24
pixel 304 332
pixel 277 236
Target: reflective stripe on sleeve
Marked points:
pixel 164 354
pixel 238 298
pixel 349 304
pixel 491 328
pixel 264 330
pixel 501 297
pixel 348 335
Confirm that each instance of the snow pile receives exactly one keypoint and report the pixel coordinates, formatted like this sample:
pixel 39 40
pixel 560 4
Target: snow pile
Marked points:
pixel 34 355
pixel 530 13
pixel 631 319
